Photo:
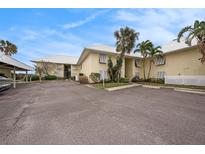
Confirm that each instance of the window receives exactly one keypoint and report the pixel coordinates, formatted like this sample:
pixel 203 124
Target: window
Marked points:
pixel 137 63
pixel 160 75
pixel 102 72
pixel 160 61
pixel 102 59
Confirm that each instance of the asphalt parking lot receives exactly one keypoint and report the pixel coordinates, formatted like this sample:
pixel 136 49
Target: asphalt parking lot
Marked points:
pixel 68 113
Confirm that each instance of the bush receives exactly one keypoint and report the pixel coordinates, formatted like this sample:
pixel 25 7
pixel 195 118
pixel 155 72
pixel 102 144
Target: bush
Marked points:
pixel 50 77
pixel 83 79
pixel 34 77
pixel 72 78
pixel 106 81
pixel 160 81
pixel 148 80
pixel 95 77
pixel 154 80
pixel 124 80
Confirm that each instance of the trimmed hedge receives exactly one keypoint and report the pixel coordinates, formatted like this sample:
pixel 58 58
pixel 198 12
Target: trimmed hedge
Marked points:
pixel 124 80
pixel 153 80
pixel 50 77
pixel 34 77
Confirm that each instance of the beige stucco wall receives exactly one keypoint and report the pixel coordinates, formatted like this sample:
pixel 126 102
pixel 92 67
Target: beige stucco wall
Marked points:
pixel 6 72
pixel 54 69
pixel 184 63
pixel 91 64
pixel 85 67
pixel 129 68
pixel 75 70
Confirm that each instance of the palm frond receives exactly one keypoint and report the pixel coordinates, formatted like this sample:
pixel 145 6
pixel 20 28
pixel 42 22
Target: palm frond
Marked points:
pixel 184 30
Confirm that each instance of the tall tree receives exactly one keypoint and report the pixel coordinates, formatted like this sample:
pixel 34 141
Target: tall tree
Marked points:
pixel 8 48
pixel 152 53
pixel 196 31
pixel 125 42
pixel 39 70
pixel 143 48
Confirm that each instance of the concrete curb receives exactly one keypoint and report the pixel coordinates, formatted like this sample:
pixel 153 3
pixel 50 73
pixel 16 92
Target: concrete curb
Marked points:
pixel 190 90
pixel 122 87
pixel 149 86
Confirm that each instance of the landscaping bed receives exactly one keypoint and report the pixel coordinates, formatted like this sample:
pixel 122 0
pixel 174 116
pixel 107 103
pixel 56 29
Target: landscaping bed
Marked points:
pixel 109 85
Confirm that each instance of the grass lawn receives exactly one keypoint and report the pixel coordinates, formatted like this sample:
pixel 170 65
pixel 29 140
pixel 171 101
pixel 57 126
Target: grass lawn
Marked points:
pixel 172 85
pixel 109 85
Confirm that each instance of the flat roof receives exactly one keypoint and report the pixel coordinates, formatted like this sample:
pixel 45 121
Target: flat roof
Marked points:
pixel 59 59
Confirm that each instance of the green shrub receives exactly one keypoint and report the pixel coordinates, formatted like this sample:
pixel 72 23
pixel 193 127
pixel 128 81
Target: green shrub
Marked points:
pixel 83 79
pixel 34 77
pixel 148 80
pixel 95 77
pixel 160 81
pixel 50 77
pixel 72 78
pixel 154 80
pixel 106 81
pixel 124 80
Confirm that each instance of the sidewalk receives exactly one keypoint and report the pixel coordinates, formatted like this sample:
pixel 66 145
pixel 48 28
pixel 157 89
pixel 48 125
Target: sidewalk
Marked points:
pixel 188 90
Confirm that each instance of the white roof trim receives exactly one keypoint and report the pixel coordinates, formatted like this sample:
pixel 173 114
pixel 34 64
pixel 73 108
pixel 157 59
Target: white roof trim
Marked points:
pixel 104 49
pixel 175 46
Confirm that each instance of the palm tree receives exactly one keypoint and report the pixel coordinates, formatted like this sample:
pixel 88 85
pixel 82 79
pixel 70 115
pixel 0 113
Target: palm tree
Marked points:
pixel 197 31
pixel 126 38
pixel 143 48
pixel 125 42
pixel 8 48
pixel 152 53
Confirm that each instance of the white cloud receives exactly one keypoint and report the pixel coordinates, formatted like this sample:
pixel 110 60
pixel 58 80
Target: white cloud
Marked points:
pixel 159 25
pixel 126 16
pixel 84 21
pixel 29 35
pixel 158 35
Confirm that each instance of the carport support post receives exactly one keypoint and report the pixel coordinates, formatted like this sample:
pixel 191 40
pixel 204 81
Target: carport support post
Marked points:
pixel 26 76
pixel 103 80
pixel 14 78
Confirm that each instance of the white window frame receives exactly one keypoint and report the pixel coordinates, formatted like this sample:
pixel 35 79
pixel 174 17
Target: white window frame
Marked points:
pixel 160 61
pixel 102 58
pixel 161 74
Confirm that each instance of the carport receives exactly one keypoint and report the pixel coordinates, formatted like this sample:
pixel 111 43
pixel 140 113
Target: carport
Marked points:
pixel 10 64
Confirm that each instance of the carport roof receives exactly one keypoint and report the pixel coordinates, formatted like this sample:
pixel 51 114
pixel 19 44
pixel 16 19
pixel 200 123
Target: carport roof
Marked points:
pixel 9 62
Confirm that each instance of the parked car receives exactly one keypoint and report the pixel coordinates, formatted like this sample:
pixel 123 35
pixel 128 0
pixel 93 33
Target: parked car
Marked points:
pixel 5 83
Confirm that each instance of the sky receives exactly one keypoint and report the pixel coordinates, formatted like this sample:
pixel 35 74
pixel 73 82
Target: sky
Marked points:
pixel 44 32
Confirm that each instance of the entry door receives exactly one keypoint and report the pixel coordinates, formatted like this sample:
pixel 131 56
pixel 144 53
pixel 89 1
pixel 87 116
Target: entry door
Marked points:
pixel 67 71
